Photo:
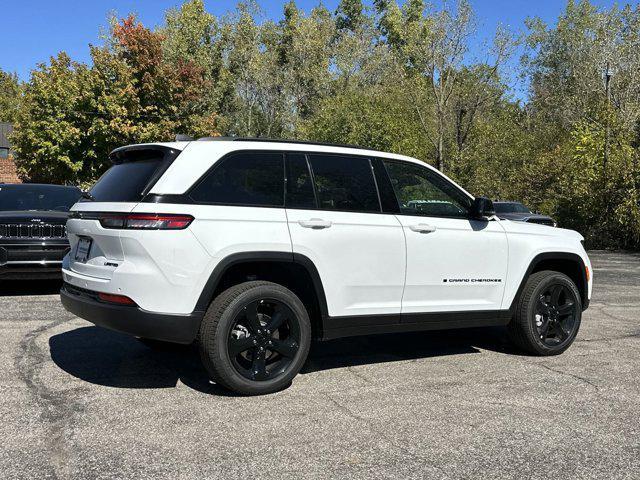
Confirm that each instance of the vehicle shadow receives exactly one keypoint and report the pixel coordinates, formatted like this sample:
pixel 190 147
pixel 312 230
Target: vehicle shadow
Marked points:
pixel 108 358
pixel 112 359
pixel 12 288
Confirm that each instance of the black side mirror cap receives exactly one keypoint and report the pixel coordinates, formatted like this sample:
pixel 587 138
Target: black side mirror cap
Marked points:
pixel 482 209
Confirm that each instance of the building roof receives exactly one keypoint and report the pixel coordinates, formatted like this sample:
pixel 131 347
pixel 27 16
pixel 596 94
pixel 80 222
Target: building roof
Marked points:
pixel 5 130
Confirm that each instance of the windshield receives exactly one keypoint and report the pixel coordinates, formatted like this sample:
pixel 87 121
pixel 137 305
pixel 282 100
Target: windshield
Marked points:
pixel 37 197
pixel 510 207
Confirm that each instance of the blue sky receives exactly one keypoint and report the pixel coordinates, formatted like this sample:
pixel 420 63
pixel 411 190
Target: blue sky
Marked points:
pixel 34 30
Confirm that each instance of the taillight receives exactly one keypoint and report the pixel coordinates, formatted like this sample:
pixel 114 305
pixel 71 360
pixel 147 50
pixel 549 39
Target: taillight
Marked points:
pixel 146 221
pixel 118 299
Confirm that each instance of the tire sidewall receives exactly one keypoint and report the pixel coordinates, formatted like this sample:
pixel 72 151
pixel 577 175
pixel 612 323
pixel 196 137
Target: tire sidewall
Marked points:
pixel 220 355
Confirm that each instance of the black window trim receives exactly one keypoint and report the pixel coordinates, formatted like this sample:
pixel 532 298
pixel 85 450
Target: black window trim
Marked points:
pixel 434 172
pixel 288 154
pixel 221 161
pixel 381 175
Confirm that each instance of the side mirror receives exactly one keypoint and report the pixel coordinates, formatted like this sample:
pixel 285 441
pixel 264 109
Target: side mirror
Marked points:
pixel 482 209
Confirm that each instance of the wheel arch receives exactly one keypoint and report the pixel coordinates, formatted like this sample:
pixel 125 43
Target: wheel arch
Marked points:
pixel 292 270
pixel 571 264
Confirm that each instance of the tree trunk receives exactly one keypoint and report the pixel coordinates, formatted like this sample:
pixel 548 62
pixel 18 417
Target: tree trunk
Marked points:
pixel 440 150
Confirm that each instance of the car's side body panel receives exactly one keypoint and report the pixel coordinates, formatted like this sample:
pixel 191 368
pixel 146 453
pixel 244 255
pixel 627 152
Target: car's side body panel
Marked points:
pixel 360 259
pixel 459 266
pixel 528 241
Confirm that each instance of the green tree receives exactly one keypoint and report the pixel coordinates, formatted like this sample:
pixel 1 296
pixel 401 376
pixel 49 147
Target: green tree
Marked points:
pixel 380 118
pixel 73 115
pixel 51 129
pixel 10 93
pixel 192 44
pixel 587 121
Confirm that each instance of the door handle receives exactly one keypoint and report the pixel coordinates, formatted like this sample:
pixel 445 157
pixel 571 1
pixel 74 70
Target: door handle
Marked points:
pixel 423 228
pixel 315 223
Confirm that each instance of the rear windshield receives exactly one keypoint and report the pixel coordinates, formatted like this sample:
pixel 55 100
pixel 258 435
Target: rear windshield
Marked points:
pixel 125 182
pixel 37 197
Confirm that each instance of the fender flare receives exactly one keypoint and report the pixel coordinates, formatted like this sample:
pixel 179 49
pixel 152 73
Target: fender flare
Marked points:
pixel 572 257
pixel 206 296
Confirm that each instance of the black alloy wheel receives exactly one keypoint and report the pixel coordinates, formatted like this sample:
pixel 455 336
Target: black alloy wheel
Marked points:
pixel 548 314
pixel 555 314
pixel 255 337
pixel 264 339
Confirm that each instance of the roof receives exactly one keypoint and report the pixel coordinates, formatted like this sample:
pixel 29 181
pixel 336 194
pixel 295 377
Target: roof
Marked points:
pixel 198 157
pixel 5 130
pixel 278 140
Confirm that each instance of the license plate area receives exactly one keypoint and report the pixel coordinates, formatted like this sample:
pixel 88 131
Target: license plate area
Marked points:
pixel 82 249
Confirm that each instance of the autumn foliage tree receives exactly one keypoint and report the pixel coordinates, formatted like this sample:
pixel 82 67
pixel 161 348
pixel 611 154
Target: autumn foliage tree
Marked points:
pixel 73 114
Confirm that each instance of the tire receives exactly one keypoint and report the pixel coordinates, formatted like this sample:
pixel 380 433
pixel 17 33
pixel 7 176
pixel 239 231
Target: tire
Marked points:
pixel 548 314
pixel 254 338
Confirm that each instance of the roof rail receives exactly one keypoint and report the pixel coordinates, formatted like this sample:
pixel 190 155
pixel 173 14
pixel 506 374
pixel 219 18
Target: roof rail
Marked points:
pixel 279 140
pixel 216 139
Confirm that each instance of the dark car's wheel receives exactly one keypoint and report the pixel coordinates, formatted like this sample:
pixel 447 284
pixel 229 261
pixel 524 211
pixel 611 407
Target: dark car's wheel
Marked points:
pixel 255 337
pixel 548 314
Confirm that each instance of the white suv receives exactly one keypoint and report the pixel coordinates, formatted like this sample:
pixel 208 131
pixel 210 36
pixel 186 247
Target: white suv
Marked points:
pixel 253 247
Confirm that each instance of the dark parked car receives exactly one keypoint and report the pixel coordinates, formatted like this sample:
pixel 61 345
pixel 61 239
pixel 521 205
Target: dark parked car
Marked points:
pixel 518 212
pixel 33 237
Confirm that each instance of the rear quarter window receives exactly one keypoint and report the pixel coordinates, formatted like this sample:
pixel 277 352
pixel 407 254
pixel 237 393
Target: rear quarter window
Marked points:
pixel 244 179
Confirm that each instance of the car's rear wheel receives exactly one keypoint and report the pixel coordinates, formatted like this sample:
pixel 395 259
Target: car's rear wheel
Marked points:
pixel 255 337
pixel 548 314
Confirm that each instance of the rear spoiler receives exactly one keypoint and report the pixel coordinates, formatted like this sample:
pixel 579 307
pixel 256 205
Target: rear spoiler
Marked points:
pixel 132 153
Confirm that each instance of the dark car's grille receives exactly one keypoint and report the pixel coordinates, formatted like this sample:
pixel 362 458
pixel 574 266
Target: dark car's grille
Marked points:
pixel 32 230
pixel 542 221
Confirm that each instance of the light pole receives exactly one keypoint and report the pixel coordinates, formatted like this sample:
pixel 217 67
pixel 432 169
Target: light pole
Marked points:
pixel 607 85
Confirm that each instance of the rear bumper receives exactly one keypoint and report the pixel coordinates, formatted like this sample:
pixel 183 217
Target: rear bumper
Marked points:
pixel 131 320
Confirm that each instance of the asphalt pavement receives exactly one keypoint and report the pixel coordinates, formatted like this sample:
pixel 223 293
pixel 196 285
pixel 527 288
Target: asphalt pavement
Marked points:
pixel 80 402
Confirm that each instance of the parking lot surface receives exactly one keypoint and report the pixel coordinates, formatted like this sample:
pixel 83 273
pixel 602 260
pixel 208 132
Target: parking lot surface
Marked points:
pixel 77 401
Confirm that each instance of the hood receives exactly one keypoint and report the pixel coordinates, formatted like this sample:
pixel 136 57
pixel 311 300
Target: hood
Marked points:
pixel 538 229
pixel 523 217
pixel 34 216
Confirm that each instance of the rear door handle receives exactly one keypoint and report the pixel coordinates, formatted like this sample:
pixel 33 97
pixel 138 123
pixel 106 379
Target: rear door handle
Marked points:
pixel 423 228
pixel 315 223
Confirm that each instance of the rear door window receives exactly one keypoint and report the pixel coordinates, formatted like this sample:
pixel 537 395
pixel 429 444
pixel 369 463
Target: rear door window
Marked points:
pixel 344 183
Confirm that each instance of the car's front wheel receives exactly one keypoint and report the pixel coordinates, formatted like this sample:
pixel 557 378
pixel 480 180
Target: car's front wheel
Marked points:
pixel 548 314
pixel 255 337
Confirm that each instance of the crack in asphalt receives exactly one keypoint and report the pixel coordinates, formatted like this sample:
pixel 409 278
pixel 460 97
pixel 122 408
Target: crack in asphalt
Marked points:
pixel 58 409
pixel 608 339
pixel 359 375
pixel 382 434
pixel 572 375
